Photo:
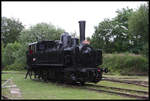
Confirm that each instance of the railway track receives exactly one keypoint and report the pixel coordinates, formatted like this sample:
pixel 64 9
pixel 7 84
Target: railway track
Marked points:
pixel 119 89
pixel 138 83
pixel 114 90
pixel 117 93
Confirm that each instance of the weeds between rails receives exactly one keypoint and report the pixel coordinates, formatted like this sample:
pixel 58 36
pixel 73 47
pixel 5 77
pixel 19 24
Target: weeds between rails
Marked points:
pixel 118 93
pixel 86 87
pixel 137 92
pixel 124 81
pixel 115 88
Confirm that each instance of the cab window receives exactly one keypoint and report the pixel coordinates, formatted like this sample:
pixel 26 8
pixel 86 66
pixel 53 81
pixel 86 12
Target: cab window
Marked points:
pixel 41 47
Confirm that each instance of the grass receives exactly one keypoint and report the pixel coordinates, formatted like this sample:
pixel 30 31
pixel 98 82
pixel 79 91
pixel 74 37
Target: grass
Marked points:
pixel 40 90
pixel 122 85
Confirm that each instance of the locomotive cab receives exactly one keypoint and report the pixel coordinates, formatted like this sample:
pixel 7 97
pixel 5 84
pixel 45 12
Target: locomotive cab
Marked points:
pixel 48 52
pixel 44 53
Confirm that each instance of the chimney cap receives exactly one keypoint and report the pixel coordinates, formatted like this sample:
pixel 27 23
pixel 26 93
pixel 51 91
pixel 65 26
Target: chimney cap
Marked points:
pixel 81 21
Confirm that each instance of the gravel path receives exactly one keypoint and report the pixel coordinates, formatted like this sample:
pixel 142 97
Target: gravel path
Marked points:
pixel 15 92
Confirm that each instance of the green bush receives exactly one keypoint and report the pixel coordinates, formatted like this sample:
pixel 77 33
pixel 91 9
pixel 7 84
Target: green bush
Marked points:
pixel 145 50
pixel 10 56
pixel 125 63
pixel 15 66
pixel 2 52
pixel 9 53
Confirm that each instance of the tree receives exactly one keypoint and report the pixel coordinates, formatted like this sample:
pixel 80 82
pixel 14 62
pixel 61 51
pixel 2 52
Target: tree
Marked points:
pixel 102 36
pixel 2 54
pixel 10 29
pixel 123 16
pixel 122 40
pixel 112 35
pixel 41 31
pixel 138 23
pixel 138 28
pixel 9 53
pixel 88 38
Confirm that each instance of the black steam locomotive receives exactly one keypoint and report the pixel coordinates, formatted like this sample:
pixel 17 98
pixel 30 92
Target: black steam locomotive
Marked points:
pixel 65 60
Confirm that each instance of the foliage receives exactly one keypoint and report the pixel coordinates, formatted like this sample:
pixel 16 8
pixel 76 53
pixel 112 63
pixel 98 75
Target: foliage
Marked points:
pixel 123 16
pixel 112 35
pixel 9 53
pixel 138 28
pixel 138 23
pixel 145 50
pixel 41 31
pixel 10 29
pixel 2 52
pixel 102 35
pixel 88 38
pixel 127 32
pixel 125 63
pixel 15 66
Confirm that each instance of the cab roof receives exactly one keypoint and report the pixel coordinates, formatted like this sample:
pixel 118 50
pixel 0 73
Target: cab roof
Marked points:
pixel 32 43
pixel 45 41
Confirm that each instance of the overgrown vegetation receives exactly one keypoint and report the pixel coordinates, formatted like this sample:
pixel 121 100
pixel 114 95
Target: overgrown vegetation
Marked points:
pixel 10 30
pixel 125 63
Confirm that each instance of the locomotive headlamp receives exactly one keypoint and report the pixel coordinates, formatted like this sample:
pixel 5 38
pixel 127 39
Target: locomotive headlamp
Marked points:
pixel 34 59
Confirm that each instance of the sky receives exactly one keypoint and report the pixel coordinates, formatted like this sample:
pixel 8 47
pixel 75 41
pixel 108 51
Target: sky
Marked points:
pixel 65 14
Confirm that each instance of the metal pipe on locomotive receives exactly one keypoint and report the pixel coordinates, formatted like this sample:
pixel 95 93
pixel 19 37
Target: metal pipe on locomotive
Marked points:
pixel 66 60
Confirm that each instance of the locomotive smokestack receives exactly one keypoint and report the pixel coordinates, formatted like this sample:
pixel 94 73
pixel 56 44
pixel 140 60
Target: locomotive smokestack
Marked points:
pixel 82 30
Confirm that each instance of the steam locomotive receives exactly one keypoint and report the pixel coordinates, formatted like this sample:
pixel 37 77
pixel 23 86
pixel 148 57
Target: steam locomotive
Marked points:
pixel 66 60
